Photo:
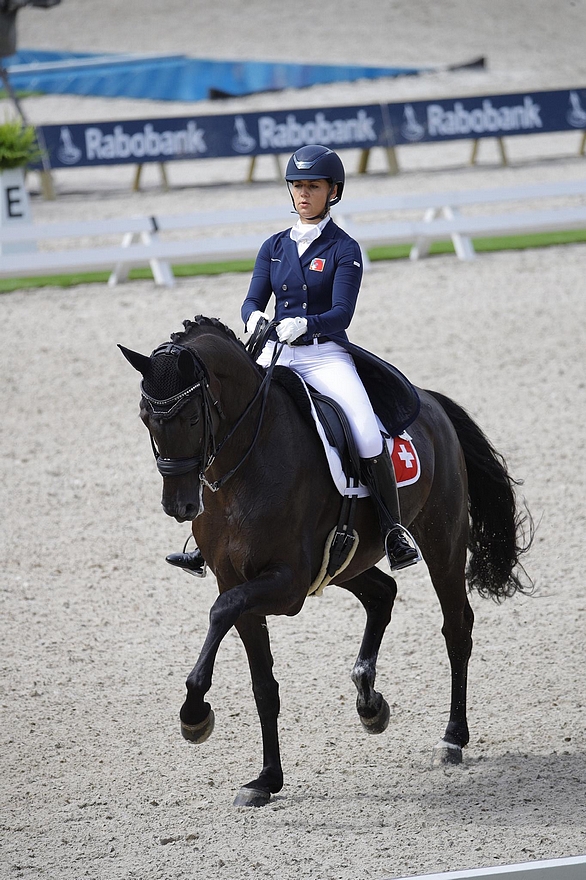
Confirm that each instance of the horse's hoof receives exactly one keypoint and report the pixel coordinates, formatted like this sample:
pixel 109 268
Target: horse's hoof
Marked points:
pixel 445 752
pixel 379 722
pixel 198 733
pixel 251 797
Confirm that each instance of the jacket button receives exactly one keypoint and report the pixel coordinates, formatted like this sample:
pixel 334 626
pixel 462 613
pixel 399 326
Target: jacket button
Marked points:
pixel 284 287
pixel 304 287
pixel 304 306
pixel 286 304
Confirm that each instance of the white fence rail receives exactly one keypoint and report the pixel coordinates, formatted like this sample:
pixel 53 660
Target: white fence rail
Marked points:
pixel 142 242
pixel 573 868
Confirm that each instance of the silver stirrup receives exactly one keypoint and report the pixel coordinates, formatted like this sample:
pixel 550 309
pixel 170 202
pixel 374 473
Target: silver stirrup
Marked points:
pixel 204 570
pixel 411 540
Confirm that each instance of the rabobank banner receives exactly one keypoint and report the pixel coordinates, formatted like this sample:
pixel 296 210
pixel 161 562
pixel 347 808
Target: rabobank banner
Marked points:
pixel 487 116
pixel 206 137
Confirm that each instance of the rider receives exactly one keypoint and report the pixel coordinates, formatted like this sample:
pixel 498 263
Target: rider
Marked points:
pixel 314 271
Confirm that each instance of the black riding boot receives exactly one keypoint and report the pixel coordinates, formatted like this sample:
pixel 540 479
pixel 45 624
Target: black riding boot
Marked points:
pixel 379 476
pixel 193 562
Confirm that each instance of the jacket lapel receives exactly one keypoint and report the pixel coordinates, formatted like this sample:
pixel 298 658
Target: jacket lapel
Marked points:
pixel 291 255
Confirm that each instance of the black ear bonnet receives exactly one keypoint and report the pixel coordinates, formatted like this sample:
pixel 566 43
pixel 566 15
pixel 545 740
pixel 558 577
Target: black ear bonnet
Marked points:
pixel 173 374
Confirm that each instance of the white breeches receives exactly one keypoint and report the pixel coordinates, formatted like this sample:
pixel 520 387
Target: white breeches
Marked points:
pixel 330 370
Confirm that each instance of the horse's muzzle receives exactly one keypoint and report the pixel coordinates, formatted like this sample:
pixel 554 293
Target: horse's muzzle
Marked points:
pixel 183 504
pixel 188 516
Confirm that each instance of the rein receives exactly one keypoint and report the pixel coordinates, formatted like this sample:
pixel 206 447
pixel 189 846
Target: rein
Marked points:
pixel 171 467
pixel 262 390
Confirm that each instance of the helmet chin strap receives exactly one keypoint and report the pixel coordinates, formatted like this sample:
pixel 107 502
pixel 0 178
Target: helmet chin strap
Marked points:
pixel 327 206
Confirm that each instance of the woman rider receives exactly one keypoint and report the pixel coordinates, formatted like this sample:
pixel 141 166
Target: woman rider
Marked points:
pixel 314 271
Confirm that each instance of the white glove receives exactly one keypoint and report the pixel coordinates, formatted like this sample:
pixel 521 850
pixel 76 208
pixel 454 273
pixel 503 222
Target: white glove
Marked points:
pixel 253 320
pixel 290 329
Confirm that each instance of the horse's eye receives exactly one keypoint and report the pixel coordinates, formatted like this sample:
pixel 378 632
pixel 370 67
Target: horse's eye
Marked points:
pixel 193 421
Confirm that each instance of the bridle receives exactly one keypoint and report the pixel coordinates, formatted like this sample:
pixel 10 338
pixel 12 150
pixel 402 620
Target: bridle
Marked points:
pixel 169 407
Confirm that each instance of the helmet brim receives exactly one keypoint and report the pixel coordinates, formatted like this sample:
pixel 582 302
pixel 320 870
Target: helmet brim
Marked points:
pixel 304 175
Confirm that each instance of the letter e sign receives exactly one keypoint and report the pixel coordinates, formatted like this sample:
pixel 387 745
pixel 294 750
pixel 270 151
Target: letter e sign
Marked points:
pixel 14 201
pixel 14 209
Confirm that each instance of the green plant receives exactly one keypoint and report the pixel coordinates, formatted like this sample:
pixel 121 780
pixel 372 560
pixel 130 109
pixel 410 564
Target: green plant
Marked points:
pixel 18 145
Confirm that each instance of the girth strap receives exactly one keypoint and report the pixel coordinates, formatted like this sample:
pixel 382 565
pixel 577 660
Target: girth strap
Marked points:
pixel 344 538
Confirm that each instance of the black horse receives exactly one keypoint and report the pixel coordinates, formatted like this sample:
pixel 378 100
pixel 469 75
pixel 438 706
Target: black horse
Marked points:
pixel 241 462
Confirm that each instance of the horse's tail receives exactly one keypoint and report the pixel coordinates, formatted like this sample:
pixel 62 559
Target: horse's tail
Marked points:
pixel 499 533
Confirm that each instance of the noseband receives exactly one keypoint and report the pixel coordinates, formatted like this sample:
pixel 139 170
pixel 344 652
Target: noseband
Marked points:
pixel 169 407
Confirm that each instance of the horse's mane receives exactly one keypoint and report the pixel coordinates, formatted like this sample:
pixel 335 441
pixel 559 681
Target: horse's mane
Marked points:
pixel 192 328
pixel 200 323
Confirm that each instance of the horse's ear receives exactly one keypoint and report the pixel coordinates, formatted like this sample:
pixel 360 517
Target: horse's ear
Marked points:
pixel 186 366
pixel 140 362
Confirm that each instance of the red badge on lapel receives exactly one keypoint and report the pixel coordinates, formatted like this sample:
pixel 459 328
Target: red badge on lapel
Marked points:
pixel 317 265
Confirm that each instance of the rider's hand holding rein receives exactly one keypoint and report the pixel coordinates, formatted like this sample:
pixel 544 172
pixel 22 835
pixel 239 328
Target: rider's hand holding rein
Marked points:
pixel 253 320
pixel 290 329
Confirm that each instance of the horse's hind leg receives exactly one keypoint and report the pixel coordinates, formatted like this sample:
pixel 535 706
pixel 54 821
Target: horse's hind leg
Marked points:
pixel 255 637
pixel 377 592
pixel 447 575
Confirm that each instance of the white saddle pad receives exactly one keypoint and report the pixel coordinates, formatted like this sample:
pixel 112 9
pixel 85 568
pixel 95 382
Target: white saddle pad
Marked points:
pixel 403 454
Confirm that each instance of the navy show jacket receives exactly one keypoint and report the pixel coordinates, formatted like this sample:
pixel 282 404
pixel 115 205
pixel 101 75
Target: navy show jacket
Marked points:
pixel 322 285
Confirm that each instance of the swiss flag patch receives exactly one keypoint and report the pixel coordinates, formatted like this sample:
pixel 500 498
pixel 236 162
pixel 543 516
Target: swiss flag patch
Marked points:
pixel 317 265
pixel 405 459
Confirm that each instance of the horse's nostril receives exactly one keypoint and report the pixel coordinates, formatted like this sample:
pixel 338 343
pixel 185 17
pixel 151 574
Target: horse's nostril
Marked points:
pixel 184 512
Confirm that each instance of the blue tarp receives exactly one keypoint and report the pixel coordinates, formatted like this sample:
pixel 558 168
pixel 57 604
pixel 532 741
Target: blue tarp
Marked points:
pixel 172 77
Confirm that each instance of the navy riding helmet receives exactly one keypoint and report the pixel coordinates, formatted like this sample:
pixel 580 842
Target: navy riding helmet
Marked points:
pixel 314 162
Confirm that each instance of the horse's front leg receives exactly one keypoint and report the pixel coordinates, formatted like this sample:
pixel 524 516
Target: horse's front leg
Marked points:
pixel 254 633
pixel 272 592
pixel 377 592
pixel 196 715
